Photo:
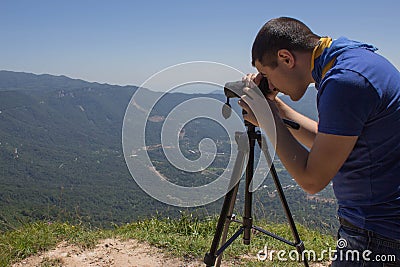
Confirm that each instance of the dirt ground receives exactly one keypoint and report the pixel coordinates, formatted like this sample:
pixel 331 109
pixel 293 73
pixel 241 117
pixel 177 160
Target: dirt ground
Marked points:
pixel 111 253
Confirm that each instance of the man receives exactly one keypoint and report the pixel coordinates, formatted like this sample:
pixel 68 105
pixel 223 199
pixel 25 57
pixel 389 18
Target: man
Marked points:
pixel 356 142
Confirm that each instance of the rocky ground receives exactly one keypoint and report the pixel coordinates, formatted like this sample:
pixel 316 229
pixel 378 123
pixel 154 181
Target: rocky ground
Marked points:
pixel 111 253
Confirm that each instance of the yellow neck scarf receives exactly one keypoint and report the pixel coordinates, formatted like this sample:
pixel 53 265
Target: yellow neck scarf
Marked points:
pixel 323 43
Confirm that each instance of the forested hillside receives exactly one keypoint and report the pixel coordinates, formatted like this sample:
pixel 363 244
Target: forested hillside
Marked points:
pixel 61 158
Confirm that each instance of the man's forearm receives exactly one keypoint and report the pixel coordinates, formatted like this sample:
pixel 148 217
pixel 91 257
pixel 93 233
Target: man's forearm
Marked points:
pixel 308 128
pixel 292 154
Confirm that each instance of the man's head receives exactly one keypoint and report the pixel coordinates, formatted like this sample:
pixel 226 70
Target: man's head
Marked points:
pixel 282 52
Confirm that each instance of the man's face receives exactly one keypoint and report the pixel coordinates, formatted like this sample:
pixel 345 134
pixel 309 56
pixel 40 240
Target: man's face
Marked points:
pixel 283 79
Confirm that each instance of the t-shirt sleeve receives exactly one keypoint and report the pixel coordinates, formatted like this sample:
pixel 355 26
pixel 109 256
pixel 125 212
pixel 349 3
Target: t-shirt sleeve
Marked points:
pixel 345 103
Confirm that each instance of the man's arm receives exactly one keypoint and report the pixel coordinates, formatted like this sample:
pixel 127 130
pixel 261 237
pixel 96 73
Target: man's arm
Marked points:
pixel 313 169
pixel 308 128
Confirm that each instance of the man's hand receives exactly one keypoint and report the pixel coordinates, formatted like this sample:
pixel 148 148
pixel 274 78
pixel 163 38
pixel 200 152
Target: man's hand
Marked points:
pixel 252 79
pixel 249 116
pixel 253 101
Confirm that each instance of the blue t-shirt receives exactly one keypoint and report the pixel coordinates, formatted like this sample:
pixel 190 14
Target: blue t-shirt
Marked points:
pixel 360 96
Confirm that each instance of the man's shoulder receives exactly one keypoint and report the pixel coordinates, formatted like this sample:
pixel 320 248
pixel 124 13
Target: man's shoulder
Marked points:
pixel 358 55
pixel 344 81
pixel 366 63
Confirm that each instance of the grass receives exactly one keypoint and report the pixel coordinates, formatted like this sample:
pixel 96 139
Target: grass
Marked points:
pixel 40 236
pixel 190 237
pixel 187 237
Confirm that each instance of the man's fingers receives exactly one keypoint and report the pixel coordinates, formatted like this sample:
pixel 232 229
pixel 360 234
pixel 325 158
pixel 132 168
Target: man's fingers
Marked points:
pixel 244 105
pixel 251 92
pixel 250 118
pixel 271 96
pixel 257 78
pixel 249 80
pixel 246 100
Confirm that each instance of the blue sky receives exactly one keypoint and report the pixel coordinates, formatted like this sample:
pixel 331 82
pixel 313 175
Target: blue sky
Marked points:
pixel 125 42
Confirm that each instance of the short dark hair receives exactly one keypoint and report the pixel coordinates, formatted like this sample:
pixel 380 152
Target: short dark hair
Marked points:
pixel 281 33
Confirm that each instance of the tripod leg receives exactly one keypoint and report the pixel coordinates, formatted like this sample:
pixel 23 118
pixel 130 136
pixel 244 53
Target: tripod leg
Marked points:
pixel 229 201
pixel 227 222
pixel 248 194
pixel 299 244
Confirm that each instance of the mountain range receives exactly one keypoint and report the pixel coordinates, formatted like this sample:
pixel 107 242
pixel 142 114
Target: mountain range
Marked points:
pixel 61 157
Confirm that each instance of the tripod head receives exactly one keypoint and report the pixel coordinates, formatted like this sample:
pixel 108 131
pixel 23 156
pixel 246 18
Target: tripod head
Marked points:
pixel 235 90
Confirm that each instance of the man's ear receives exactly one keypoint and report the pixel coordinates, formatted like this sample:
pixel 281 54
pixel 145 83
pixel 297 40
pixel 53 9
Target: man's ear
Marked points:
pixel 286 58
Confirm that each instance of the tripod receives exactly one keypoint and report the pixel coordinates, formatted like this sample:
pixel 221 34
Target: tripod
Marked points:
pixel 225 218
